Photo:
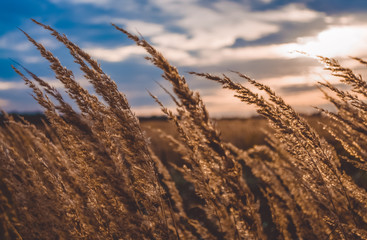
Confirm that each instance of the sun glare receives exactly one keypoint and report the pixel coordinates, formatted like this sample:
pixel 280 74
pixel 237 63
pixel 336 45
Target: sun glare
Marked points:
pixel 337 41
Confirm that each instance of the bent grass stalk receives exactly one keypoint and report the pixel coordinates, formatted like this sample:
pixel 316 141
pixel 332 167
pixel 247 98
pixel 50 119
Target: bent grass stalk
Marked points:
pixel 91 173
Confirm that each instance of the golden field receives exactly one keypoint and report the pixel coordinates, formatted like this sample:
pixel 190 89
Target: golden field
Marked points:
pixel 97 172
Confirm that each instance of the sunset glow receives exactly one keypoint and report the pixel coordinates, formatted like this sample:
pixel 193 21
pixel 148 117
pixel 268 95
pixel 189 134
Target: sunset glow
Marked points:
pixel 259 38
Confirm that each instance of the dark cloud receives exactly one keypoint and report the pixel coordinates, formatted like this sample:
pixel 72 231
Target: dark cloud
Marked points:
pixel 337 6
pixel 302 88
pixel 297 88
pixel 327 6
pixel 289 32
pixel 267 68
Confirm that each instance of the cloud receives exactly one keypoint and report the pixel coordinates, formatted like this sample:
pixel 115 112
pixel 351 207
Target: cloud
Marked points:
pixel 188 39
pixel 149 29
pixel 19 85
pixel 3 103
pixel 207 41
pixel 12 85
pixel 289 13
pixel 298 88
pixel 266 1
pixel 115 54
pixel 208 38
pixel 12 41
pixel 190 18
pixel 49 43
pixel 146 28
pixel 336 41
pixel 226 21
pixel 204 41
pixel 32 59
pixel 241 54
pixel 200 58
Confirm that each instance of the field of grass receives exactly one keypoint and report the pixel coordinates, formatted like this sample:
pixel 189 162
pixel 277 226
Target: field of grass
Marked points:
pixel 97 172
pixel 243 133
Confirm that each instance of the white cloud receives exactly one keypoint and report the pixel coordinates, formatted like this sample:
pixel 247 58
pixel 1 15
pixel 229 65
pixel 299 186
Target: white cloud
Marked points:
pixel 134 26
pixel 149 29
pixel 241 54
pixel 12 85
pixel 178 56
pixel 59 85
pixel 115 54
pixel 49 43
pixel 18 85
pixel 32 59
pixel 337 41
pixel 289 13
pixel 266 1
pixel 224 20
pixel 13 41
pixel 215 38
pixel 202 57
pixel 202 41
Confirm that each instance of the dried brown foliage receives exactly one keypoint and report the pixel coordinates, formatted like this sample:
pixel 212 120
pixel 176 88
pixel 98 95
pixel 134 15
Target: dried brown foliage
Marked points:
pixel 90 173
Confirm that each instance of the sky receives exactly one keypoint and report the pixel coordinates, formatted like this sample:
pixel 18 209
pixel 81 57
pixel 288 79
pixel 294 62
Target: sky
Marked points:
pixel 259 38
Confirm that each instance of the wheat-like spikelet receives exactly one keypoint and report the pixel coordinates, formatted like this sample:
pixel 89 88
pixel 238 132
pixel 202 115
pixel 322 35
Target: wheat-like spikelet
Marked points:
pixel 213 170
pixel 318 162
pixel 114 174
pixel 90 172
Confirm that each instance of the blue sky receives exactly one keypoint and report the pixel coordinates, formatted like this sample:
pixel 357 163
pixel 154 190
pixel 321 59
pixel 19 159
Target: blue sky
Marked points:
pixel 255 37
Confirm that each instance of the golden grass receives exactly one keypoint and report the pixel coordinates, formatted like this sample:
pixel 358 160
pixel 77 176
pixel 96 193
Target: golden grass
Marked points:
pixel 91 172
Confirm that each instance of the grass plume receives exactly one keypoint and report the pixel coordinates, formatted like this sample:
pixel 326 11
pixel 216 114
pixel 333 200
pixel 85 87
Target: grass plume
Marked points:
pixel 91 172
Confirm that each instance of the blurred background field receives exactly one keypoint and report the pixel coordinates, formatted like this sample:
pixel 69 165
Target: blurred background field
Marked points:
pixel 244 133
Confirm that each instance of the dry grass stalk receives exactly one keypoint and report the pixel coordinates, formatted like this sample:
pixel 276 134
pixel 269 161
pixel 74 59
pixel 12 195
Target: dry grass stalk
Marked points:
pixel 90 172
